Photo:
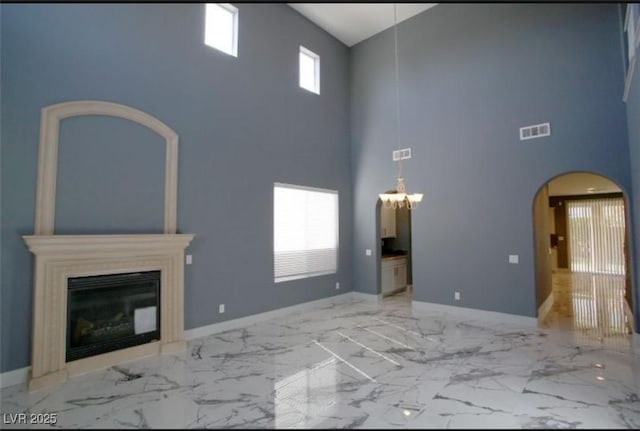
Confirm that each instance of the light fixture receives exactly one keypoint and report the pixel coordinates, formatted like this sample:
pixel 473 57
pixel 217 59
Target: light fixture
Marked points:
pixel 400 198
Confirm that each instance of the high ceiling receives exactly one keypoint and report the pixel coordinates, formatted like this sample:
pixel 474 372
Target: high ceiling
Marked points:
pixel 351 23
pixel 579 183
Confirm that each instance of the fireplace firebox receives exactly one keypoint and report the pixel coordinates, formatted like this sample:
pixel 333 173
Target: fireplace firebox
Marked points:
pixel 112 312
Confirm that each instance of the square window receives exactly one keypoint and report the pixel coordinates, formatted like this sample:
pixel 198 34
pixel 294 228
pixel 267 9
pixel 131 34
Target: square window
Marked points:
pixel 309 70
pixel 221 27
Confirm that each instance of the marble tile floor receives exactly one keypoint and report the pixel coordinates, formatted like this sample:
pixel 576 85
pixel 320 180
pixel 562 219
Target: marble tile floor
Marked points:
pixel 590 306
pixel 357 363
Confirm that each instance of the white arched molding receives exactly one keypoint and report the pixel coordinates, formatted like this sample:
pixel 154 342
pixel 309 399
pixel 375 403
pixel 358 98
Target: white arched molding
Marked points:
pixel 48 157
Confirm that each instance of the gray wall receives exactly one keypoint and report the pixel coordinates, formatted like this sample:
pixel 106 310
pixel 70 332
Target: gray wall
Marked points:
pixel 633 123
pixel 243 123
pixel 470 76
pixel 110 177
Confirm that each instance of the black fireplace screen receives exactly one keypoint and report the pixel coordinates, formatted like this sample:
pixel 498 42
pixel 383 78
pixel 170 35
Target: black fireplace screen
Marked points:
pixel 112 312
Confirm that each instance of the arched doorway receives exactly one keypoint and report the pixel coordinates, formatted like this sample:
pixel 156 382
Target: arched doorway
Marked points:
pixel 582 257
pixel 394 252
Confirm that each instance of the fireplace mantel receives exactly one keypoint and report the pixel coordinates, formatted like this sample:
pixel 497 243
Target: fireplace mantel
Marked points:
pixel 60 257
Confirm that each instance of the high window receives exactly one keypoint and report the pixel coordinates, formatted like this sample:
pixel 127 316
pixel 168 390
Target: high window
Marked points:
pixel 631 28
pixel 632 42
pixel 221 27
pixel 305 232
pixel 309 70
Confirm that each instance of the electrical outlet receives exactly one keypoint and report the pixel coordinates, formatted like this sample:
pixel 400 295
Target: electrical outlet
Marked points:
pixel 189 259
pixel 337 285
pixel 513 258
pixel 456 295
pixel 221 308
pixel 368 252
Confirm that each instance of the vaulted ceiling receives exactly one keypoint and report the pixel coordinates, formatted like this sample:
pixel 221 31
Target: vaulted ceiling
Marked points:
pixel 351 23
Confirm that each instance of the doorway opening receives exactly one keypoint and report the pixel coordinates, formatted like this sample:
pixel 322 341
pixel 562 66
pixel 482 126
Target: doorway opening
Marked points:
pixel 394 263
pixel 582 257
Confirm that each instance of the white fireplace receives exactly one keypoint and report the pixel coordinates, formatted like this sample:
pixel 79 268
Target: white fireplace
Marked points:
pixel 59 258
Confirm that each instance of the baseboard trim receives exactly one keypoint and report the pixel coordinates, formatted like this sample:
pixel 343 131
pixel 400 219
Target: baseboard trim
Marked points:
pixel 14 377
pixel 240 322
pixel 365 296
pixel 466 313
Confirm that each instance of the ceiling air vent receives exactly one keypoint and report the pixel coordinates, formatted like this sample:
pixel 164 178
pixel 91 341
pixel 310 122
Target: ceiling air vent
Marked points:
pixel 405 153
pixel 537 131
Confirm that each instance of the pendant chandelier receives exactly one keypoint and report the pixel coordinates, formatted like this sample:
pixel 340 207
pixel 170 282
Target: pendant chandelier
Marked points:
pixel 400 198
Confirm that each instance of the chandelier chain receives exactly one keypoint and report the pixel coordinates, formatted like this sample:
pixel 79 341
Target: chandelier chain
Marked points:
pixel 400 198
pixel 397 82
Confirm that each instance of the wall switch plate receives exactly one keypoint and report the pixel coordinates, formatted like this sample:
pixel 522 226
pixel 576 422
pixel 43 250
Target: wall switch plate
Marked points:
pixel 368 252
pixel 513 258
pixel 221 308
pixel 456 295
pixel 189 259
pixel 337 285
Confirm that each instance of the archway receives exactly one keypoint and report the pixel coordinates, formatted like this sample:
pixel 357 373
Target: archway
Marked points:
pixel 393 251
pixel 582 256
pixel 48 156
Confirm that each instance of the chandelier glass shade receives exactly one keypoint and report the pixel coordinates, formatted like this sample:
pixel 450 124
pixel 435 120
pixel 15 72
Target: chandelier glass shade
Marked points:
pixel 400 198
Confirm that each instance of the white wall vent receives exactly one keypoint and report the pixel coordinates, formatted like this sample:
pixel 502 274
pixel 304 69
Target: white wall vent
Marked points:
pixel 536 131
pixel 405 153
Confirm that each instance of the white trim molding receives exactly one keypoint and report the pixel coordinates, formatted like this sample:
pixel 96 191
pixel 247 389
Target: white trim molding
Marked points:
pixel 14 377
pixel 473 313
pixel 48 157
pixel 227 325
pixel 367 296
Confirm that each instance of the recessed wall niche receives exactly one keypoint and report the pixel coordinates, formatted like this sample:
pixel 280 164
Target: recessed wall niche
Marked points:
pixel 111 177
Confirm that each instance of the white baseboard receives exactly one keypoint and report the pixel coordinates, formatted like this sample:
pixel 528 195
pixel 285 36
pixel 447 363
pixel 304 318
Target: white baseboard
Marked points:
pixel 466 313
pixel 365 296
pixel 241 322
pixel 545 308
pixel 14 377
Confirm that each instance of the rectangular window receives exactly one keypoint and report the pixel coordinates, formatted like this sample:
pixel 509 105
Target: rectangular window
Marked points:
pixel 630 28
pixel 631 42
pixel 221 27
pixel 305 232
pixel 309 70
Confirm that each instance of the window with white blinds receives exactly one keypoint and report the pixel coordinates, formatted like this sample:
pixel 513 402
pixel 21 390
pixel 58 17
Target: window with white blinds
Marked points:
pixel 596 235
pixel 305 232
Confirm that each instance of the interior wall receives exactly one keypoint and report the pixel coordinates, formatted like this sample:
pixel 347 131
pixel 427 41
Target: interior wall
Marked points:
pixel 560 212
pixel 633 124
pixel 470 76
pixel 243 123
pixel 552 230
pixel 403 227
pixel 110 178
pixel 542 245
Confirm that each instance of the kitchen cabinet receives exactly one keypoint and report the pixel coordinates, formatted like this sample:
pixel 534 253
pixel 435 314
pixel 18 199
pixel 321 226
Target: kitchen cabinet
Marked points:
pixel 393 275
pixel 387 222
